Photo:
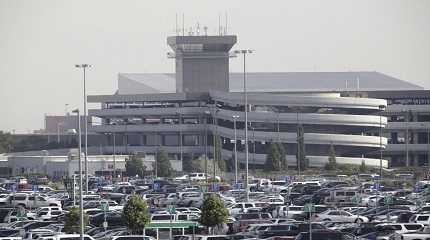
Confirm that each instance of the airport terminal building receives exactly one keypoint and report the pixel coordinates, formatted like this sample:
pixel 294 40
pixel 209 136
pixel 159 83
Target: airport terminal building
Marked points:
pixel 181 112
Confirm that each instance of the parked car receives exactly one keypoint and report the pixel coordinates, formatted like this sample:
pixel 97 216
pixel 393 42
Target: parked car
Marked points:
pixel 339 216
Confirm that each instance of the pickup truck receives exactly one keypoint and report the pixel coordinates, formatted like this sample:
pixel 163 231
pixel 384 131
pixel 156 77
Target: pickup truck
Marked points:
pixel 33 201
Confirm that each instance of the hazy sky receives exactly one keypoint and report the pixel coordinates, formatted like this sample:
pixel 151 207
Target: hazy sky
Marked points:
pixel 41 40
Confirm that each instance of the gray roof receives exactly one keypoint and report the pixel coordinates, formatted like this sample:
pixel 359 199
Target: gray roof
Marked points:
pixel 135 83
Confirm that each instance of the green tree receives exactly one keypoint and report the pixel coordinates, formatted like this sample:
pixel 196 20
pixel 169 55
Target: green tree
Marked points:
pixel 6 142
pixel 164 168
pixel 302 161
pixel 331 165
pixel 219 161
pixel 72 221
pixel 134 166
pixel 135 214
pixel 273 158
pixel 198 164
pixel 363 167
pixel 213 211
pixel 283 153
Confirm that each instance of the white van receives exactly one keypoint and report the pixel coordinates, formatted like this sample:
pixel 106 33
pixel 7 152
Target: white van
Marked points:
pixel 243 207
pixel 287 211
pixel 341 196
pixel 197 176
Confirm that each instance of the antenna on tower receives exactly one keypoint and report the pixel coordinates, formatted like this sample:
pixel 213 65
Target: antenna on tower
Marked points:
pixel 183 25
pixel 176 24
pixel 219 25
pixel 198 29
pixel 226 24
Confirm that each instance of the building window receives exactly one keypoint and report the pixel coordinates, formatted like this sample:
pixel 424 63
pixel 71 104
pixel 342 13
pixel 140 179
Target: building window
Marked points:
pixel 152 140
pixel 191 140
pixel 171 140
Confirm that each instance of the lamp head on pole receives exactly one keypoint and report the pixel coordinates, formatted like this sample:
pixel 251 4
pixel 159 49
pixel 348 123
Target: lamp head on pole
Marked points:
pixel 243 51
pixel 84 65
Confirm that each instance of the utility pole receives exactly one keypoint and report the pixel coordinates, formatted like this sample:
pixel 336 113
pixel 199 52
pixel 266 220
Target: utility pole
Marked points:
pixel 244 52
pixel 81 200
pixel 84 67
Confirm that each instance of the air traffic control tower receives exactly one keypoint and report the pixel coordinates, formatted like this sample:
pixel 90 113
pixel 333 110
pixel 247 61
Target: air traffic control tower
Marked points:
pixel 202 62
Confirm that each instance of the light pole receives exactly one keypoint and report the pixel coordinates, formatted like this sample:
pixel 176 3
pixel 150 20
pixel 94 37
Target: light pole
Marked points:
pixel 253 146
pixel 81 200
pixel 244 52
pixel 298 146
pixel 180 138
pixel 235 148
pixel 215 143
pixel 113 154
pixel 84 67
pixel 407 138
pixel 207 113
pixel 381 109
pixel 277 123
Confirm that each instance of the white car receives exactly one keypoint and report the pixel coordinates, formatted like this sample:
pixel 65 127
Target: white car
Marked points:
pixel 423 234
pixel 132 237
pixel 197 176
pixel 240 208
pixel 340 216
pixel 403 227
pixel 421 218
pixel 182 178
pixel 44 213
pixel 66 236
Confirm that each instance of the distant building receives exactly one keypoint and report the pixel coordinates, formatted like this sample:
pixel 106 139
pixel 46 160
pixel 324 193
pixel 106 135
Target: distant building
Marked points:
pixel 182 112
pixel 55 124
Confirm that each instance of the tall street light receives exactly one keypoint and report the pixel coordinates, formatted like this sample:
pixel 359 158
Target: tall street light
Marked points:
pixel 244 52
pixel 235 148
pixel 113 154
pixel 84 67
pixel 215 143
pixel 180 139
pixel 207 114
pixel 81 200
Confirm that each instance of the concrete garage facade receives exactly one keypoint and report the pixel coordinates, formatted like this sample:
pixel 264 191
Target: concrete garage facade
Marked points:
pixel 150 112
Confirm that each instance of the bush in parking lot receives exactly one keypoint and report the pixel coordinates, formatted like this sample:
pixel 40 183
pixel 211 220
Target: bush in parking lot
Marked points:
pixel 283 153
pixel 273 159
pixel 331 165
pixel 213 211
pixel 134 166
pixel 136 214
pixel 164 168
pixel 72 222
pixel 363 167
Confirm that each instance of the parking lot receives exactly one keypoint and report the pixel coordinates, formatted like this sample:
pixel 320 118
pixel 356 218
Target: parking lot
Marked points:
pixel 330 207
